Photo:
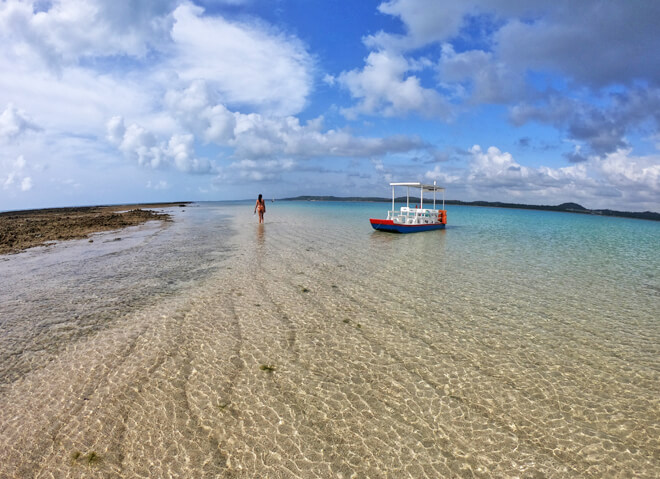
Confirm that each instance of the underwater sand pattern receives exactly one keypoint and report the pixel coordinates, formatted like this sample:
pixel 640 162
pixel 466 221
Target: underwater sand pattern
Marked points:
pixel 285 351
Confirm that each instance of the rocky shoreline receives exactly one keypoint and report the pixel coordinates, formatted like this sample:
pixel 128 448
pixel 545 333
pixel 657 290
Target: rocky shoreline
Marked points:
pixel 20 230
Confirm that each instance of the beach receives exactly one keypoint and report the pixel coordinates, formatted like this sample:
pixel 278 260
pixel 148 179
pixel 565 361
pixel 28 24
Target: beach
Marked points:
pixel 513 344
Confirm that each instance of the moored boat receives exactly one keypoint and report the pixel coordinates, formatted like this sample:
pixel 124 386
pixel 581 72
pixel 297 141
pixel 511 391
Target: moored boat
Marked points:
pixel 413 220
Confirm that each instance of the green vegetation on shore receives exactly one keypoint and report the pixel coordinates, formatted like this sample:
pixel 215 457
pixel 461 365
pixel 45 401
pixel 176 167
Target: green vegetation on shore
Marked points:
pixel 564 207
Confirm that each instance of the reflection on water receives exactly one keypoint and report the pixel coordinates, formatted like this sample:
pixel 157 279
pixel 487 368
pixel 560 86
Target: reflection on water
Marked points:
pixel 261 237
pixel 510 345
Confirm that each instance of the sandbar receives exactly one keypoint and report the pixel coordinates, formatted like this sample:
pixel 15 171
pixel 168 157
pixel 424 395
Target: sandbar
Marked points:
pixel 20 230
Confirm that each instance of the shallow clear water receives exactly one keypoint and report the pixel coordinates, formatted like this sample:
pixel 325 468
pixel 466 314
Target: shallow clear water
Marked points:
pixel 513 343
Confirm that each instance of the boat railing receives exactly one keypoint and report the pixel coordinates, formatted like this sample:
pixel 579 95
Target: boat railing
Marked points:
pixel 414 215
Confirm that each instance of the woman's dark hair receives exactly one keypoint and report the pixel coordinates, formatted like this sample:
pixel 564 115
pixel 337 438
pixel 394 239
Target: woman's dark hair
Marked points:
pixel 259 196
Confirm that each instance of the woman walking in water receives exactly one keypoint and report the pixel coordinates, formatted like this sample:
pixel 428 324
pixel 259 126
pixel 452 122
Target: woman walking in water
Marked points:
pixel 261 207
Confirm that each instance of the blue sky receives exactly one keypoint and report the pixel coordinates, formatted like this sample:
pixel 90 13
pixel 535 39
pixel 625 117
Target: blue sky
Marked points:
pixel 116 101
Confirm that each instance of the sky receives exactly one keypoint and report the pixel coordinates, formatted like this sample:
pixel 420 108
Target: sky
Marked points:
pixel 117 101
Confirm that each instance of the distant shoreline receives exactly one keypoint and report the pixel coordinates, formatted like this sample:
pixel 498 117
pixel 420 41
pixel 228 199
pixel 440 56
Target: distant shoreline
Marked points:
pixel 564 207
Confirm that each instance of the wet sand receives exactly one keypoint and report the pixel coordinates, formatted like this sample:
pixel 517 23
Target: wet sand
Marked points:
pixel 20 230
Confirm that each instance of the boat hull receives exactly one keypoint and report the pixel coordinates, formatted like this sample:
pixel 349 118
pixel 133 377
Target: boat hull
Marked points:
pixel 392 227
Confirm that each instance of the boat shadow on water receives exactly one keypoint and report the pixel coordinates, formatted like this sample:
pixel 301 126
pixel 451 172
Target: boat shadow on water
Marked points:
pixel 425 242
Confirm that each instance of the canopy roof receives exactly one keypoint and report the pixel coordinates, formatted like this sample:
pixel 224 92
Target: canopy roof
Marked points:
pixel 420 185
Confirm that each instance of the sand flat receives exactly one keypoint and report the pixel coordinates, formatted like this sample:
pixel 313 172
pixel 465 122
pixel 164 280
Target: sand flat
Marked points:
pixel 20 230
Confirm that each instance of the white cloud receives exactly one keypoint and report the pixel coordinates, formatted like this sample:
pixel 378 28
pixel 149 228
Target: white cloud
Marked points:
pixel 385 86
pixel 141 145
pixel 495 168
pixel 498 170
pixel 442 176
pixel 136 142
pixel 160 185
pixel 247 64
pixel 69 30
pixel 197 109
pixel 116 130
pixel 9 180
pixel 603 182
pixel 17 175
pixel 182 151
pixel 253 170
pixel 257 135
pixel 241 63
pixel 425 22
pixel 14 122
pixel 632 172
pixel 26 184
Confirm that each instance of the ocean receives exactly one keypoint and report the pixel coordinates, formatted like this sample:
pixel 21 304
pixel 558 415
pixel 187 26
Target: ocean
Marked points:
pixel 515 343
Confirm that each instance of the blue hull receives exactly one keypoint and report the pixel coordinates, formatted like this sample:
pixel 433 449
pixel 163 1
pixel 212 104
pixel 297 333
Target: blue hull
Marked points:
pixel 398 228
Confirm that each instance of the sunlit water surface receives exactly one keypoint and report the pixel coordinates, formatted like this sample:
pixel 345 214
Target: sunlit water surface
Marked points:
pixel 514 343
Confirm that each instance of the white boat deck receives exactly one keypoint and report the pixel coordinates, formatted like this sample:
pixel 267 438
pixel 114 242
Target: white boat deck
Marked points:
pixel 415 216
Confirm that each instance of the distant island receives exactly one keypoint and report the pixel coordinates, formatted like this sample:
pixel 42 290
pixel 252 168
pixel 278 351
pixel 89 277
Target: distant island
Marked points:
pixel 564 207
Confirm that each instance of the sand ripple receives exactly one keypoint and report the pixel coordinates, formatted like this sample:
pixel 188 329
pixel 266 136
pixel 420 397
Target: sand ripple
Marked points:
pixel 301 356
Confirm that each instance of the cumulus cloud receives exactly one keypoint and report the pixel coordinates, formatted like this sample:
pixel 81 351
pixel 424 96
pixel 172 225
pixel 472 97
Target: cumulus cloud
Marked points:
pixel 14 122
pixel 196 108
pixel 99 52
pixel 144 147
pixel 425 22
pixel 496 168
pixel 135 142
pixel 246 64
pixel 68 30
pixel 495 175
pixel 603 182
pixel 385 86
pixel 26 184
pixel 17 176
pixel 182 151
pixel 632 173
pixel 255 135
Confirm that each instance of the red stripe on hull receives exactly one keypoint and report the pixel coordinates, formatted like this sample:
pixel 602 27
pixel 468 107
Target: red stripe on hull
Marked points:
pixel 390 226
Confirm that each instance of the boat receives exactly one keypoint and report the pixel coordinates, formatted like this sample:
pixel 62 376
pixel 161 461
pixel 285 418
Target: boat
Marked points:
pixel 413 220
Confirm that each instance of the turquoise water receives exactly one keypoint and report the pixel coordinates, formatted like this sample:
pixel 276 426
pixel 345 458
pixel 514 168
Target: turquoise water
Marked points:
pixel 513 343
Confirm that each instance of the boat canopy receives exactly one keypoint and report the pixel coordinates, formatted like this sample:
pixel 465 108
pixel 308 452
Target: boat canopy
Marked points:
pixel 420 185
pixel 422 188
